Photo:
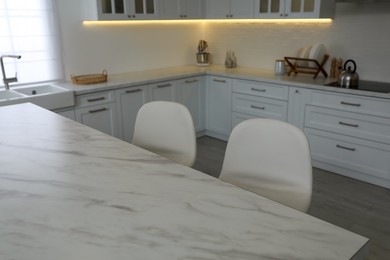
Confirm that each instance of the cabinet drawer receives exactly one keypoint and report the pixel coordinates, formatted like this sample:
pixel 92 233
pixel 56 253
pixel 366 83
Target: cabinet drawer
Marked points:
pixel 94 99
pixel 369 158
pixel 261 89
pixel 367 105
pixel 348 123
pixel 260 107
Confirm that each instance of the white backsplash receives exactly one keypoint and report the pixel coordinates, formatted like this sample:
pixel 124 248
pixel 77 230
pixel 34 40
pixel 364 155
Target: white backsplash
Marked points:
pixel 359 32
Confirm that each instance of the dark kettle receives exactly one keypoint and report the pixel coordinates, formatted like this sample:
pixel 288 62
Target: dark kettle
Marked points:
pixel 348 78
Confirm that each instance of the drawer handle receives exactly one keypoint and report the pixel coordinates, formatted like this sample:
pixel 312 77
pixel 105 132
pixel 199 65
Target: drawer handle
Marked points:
pixel 350 104
pixel 258 90
pixel 164 86
pixel 191 81
pixel 97 110
pixel 219 80
pixel 347 124
pixel 96 99
pixel 133 91
pixel 346 148
pixel 256 107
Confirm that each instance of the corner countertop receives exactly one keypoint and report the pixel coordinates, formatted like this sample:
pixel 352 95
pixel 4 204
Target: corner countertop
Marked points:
pixel 70 192
pixel 137 78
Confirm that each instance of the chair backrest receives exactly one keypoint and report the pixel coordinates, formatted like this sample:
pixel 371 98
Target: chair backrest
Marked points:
pixel 270 158
pixel 166 128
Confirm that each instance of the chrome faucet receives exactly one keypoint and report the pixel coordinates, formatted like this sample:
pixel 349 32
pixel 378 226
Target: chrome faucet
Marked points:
pixel 5 79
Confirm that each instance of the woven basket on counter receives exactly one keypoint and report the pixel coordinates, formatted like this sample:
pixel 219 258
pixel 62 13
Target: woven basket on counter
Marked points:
pixel 90 78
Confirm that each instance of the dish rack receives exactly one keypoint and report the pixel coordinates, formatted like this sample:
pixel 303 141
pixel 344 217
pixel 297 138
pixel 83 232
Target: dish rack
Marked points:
pixel 293 63
pixel 90 78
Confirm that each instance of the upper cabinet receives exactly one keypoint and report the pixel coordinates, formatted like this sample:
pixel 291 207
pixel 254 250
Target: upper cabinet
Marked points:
pixel 230 9
pixel 127 9
pixel 284 9
pixel 181 9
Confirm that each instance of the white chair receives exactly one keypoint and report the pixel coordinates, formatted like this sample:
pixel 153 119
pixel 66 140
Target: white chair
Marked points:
pixel 166 128
pixel 270 158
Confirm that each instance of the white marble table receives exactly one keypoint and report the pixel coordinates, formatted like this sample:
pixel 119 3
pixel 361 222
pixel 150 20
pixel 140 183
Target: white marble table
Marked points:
pixel 70 192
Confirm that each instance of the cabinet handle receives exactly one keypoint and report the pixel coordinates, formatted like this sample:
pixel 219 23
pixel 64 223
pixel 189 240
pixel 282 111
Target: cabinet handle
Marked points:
pixel 297 91
pixel 346 148
pixel 219 80
pixel 96 99
pixel 133 91
pixel 97 110
pixel 258 90
pixel 347 124
pixel 191 81
pixel 164 86
pixel 350 104
pixel 256 107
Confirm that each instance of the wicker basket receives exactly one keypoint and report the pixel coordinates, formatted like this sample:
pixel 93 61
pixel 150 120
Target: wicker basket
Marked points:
pixel 89 79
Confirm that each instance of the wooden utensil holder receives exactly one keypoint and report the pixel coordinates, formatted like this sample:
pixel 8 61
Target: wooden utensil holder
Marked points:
pixel 319 66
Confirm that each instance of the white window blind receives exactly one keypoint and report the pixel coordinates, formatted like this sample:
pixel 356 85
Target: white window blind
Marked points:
pixel 29 28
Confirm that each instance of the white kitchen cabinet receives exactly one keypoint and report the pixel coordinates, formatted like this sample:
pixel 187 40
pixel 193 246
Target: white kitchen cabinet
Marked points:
pixel 297 99
pixel 128 102
pixel 162 91
pixel 253 99
pixel 66 112
pixel 181 9
pixel 349 135
pixel 191 93
pixel 230 9
pixel 282 9
pixel 218 107
pixel 98 110
pixel 122 9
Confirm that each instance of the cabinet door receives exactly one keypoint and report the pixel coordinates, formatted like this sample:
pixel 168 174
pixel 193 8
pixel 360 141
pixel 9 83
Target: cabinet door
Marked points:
pixel 242 9
pixel 302 8
pixel 218 9
pixel 190 94
pixel 298 98
pixel 67 113
pixel 219 106
pixel 269 9
pixel 129 101
pixel 162 91
pixel 191 9
pixel 142 9
pixel 169 9
pixel 111 9
pixel 102 118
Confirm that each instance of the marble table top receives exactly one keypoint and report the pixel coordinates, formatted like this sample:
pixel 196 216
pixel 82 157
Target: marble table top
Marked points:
pixel 70 192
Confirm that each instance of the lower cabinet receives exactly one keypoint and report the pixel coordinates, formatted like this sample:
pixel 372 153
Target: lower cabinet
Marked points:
pixel 98 110
pixel 191 92
pixel 258 99
pixel 163 91
pixel 128 102
pixel 218 107
pixel 66 112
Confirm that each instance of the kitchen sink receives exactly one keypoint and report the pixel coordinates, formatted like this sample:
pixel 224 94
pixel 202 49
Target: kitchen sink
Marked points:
pixel 48 96
pixel 9 94
pixel 40 90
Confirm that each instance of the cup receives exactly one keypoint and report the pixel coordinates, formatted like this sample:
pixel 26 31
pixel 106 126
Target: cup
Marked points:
pixel 280 67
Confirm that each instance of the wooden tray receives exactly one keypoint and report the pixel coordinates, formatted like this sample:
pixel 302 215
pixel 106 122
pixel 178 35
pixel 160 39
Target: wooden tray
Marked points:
pixel 89 79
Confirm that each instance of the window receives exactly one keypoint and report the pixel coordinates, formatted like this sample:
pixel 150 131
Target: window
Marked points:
pixel 29 28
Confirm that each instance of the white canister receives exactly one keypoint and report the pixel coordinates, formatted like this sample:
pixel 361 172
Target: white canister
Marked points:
pixel 280 67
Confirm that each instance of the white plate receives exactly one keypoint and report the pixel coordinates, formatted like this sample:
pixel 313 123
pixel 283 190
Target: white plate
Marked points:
pixel 303 53
pixel 317 52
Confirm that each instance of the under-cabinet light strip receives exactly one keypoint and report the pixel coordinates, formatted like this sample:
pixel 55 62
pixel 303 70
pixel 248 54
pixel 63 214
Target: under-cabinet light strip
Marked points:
pixel 245 21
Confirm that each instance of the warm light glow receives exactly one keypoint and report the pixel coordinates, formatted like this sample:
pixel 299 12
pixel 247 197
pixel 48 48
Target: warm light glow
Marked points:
pixel 244 21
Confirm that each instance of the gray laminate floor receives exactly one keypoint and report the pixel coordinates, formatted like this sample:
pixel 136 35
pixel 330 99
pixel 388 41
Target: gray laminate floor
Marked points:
pixel 354 205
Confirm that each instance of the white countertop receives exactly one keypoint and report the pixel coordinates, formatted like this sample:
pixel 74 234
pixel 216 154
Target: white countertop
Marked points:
pixel 116 81
pixel 70 192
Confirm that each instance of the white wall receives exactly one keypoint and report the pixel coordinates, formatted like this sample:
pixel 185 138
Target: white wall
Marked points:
pixel 131 47
pixel 359 31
